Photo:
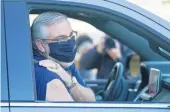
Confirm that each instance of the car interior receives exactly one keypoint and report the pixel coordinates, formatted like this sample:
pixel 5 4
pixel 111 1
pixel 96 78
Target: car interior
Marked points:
pixel 125 84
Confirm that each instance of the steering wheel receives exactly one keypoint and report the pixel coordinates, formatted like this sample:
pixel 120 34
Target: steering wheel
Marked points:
pixel 114 85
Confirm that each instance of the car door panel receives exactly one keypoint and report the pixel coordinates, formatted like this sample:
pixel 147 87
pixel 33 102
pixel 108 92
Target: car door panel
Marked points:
pixel 86 107
pixel 19 50
pixel 96 85
pixel 164 66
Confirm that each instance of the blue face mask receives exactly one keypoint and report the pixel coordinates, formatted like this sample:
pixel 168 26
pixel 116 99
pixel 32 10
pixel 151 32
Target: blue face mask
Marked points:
pixel 64 51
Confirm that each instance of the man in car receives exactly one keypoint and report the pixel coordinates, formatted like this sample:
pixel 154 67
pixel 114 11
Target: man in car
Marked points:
pixel 103 57
pixel 54 48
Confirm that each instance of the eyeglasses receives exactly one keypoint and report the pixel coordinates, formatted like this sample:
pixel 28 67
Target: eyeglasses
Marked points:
pixel 72 35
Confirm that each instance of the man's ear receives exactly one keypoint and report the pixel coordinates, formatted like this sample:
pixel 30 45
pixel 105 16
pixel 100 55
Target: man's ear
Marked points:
pixel 40 45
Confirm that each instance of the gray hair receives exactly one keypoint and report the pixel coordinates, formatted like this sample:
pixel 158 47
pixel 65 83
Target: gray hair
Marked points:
pixel 39 24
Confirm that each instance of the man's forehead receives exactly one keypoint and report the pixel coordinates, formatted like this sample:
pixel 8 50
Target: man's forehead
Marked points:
pixel 61 28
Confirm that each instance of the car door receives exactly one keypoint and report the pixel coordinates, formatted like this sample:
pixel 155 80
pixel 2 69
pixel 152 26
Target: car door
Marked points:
pixel 20 63
pixel 18 44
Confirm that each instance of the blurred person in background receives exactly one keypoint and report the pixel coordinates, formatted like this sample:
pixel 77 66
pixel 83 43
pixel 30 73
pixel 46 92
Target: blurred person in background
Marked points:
pixel 126 51
pixel 103 57
pixel 83 44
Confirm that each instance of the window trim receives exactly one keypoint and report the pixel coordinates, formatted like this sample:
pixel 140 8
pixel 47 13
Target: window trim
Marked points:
pixel 87 105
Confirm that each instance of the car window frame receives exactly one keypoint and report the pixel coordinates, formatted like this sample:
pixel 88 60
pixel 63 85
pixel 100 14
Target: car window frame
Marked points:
pixel 44 5
pixel 5 99
pixel 48 103
pixel 4 72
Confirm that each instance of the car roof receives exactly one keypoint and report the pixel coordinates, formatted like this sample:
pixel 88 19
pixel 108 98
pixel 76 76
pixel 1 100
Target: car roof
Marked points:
pixel 122 3
pixel 163 28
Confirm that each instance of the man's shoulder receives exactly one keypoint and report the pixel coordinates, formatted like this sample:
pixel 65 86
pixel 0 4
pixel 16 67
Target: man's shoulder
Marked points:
pixel 45 73
pixel 39 69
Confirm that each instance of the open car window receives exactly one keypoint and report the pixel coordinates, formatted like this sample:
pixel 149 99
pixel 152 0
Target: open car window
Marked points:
pixel 99 72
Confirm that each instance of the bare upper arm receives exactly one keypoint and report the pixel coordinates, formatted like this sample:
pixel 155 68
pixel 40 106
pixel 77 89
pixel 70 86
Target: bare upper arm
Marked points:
pixel 56 91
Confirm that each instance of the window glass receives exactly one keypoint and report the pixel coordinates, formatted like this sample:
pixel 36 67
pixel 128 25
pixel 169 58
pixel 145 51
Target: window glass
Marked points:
pixel 100 61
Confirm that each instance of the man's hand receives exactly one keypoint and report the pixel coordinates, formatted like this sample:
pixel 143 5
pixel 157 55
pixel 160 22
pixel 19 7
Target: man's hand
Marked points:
pixel 56 68
pixel 114 53
pixel 78 92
